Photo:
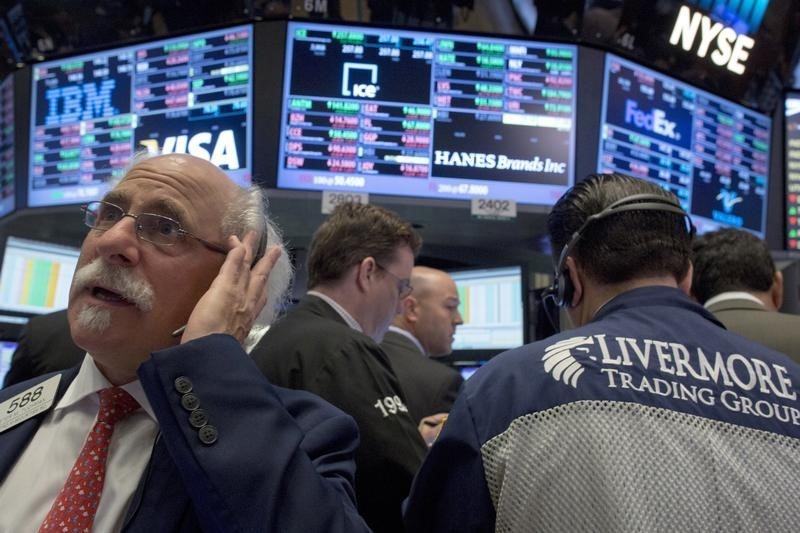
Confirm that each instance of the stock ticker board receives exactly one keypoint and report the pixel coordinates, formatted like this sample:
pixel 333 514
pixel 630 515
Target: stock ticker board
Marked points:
pixel 91 113
pixel 427 114
pixel 711 153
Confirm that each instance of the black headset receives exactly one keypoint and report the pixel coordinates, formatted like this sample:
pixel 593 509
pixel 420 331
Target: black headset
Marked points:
pixel 561 290
pixel 261 247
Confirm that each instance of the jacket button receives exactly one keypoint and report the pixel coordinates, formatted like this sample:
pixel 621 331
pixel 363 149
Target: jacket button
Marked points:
pixel 190 402
pixel 208 434
pixel 198 418
pixel 183 384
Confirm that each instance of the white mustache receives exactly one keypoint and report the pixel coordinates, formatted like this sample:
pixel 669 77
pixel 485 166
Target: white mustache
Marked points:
pixel 117 279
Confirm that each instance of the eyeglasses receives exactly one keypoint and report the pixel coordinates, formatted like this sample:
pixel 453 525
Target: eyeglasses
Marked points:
pixel 404 287
pixel 157 229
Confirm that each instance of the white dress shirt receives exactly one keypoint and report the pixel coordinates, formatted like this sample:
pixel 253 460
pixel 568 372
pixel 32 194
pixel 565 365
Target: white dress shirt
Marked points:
pixel 33 483
pixel 732 295
pixel 347 317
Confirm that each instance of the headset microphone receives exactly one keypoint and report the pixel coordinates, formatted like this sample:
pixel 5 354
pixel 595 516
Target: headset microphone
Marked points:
pixel 561 290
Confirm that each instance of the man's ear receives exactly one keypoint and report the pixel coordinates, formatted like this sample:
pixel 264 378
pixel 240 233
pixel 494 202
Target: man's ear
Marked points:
pixel 776 290
pixel 685 284
pixel 409 309
pixel 576 281
pixel 365 273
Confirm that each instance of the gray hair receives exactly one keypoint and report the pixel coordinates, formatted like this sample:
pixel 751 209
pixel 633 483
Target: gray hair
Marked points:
pixel 248 212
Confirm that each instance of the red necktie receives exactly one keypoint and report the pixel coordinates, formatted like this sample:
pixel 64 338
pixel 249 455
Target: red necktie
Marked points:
pixel 76 504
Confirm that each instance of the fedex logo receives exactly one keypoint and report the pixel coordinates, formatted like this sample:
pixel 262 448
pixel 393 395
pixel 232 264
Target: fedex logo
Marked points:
pixel 655 121
pixel 360 90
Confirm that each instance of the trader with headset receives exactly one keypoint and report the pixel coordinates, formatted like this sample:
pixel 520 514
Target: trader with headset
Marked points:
pixel 648 416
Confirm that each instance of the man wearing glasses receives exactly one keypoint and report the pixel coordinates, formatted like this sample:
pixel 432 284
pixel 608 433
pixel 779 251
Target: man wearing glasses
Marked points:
pixel 167 425
pixel 359 265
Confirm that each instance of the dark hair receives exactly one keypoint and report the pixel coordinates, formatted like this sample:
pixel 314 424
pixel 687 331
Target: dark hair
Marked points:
pixel 352 233
pixel 626 245
pixel 730 260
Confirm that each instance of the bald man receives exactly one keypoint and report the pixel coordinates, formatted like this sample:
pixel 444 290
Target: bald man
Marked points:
pixel 422 331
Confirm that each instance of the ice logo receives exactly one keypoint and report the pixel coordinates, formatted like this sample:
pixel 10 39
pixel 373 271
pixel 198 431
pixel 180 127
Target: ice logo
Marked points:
pixel 360 90
pixel 560 362
pixel 728 199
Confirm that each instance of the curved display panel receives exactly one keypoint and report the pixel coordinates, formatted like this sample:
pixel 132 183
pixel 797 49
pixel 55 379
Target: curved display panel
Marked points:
pixel 713 154
pixel 792 124
pixel 434 115
pixel 90 113
pixel 7 170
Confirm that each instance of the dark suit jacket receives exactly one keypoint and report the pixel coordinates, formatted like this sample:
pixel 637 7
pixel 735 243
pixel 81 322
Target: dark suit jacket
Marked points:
pixel 45 345
pixel 779 331
pixel 312 348
pixel 282 460
pixel 430 386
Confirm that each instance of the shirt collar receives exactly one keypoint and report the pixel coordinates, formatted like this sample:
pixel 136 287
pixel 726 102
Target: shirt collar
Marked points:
pixel 409 336
pixel 90 380
pixel 732 295
pixel 347 317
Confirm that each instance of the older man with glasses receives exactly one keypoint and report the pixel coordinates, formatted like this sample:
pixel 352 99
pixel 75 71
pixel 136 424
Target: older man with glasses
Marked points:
pixel 167 425
pixel 359 267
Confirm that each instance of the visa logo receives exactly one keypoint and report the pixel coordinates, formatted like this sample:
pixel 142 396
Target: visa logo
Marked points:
pixel 655 121
pixel 224 152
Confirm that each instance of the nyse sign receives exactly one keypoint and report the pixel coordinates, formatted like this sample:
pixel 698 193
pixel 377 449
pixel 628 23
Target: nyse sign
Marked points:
pixel 695 31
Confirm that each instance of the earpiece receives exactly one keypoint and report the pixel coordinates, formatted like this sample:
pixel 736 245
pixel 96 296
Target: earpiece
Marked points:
pixel 261 249
pixel 562 290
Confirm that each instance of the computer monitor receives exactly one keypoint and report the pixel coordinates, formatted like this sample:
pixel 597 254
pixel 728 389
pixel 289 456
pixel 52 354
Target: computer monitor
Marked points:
pixel 91 113
pixel 426 114
pixel 7 349
pixel 792 151
pixel 492 305
pixel 35 276
pixel 467 368
pixel 7 169
pixel 713 154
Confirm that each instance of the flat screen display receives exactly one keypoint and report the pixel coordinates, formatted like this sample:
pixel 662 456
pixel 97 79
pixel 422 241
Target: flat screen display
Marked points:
pixel 467 368
pixel 91 113
pixel 35 276
pixel 391 111
pixel 740 50
pixel 7 349
pixel 492 307
pixel 792 122
pixel 7 170
pixel 713 154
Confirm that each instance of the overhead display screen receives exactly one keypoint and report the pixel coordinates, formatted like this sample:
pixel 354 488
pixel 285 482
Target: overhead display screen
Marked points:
pixel 792 110
pixel 7 174
pixel 713 154
pixel 427 114
pixel 739 49
pixel 91 113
